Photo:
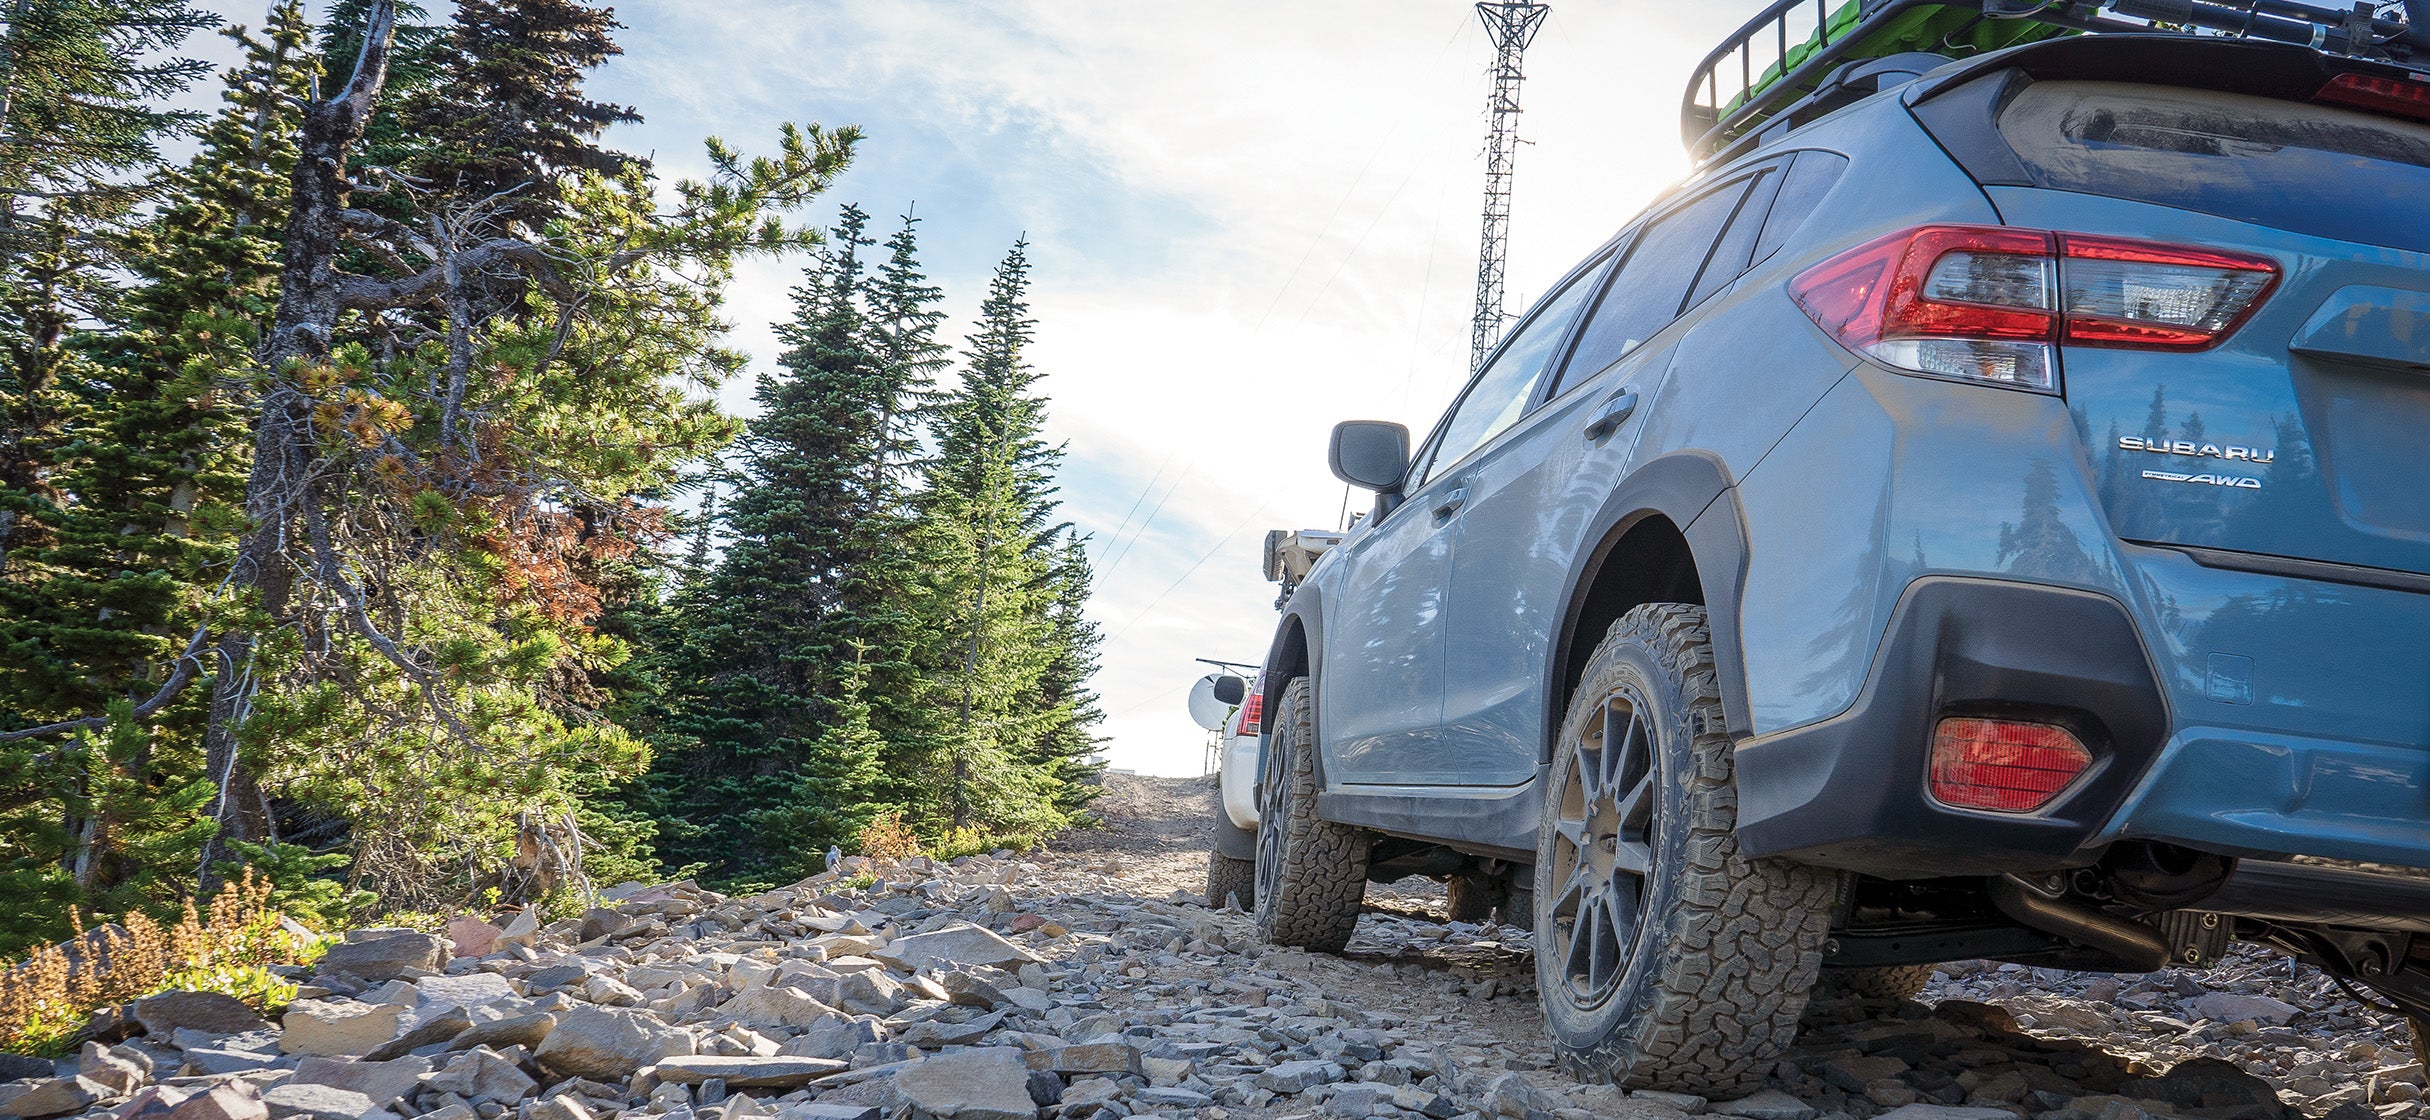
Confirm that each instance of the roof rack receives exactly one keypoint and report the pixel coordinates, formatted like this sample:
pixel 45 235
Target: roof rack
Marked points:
pixel 1801 51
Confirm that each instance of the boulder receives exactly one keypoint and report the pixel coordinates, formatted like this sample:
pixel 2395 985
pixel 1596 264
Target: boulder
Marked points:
pixel 2236 1007
pixel 55 1096
pixel 473 989
pixel 320 1102
pixel 18 1067
pixel 563 1107
pixel 775 1007
pixel 383 1082
pixel 1298 1075
pixel 120 1075
pixel 386 954
pixel 747 1072
pixel 153 1103
pixel 961 943
pixel 527 1031
pixel 209 1061
pixel 1770 1104
pixel 598 923
pixel 232 1100
pixel 210 1012
pixel 1099 1057
pixel 522 929
pixel 483 1075
pixel 441 1027
pixel 609 1045
pixel 984 1084
pixel 469 936
pixel 314 1026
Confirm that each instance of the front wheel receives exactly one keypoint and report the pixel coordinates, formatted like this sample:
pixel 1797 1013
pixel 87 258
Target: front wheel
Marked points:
pixel 1311 872
pixel 1664 959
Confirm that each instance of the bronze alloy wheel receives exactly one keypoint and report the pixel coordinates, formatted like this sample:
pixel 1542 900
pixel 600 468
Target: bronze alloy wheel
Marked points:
pixel 1603 849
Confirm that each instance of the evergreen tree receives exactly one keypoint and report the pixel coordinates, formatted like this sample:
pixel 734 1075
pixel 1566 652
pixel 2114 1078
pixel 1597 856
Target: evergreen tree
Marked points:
pixel 511 115
pixel 905 311
pixel 754 728
pixel 81 87
pixel 1000 671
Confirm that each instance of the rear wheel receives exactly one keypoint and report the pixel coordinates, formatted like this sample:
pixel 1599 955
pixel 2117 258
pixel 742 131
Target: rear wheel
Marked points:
pixel 1900 982
pixel 1664 959
pixel 1473 898
pixel 1311 873
pixel 1230 881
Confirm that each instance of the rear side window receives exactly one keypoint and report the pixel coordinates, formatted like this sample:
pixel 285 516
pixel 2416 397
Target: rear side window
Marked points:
pixel 1810 178
pixel 2306 168
pixel 1647 291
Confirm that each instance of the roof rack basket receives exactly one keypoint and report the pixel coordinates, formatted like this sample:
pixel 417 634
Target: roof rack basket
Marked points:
pixel 1798 48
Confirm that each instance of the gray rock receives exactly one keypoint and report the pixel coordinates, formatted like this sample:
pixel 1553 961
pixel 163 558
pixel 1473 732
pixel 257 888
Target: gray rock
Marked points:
pixel 563 1107
pixel 2235 1007
pixel 971 991
pixel 1298 1076
pixel 2204 1083
pixel 1089 1058
pixel 990 1083
pixel 748 1072
pixel 211 1012
pixel 1945 1112
pixel 775 1007
pixel 120 1074
pixel 527 1031
pixel 609 1045
pixel 473 989
pixel 445 1025
pixel 386 954
pixel 319 1102
pixel 382 1081
pixel 823 1110
pixel 833 1037
pixel 482 1075
pixel 233 1100
pixel 932 1034
pixel 314 1026
pixel 53 1097
pixel 1853 1074
pixel 598 923
pixel 557 976
pixel 18 1067
pixel 1769 1104
pixel 205 1060
pixel 962 944
pixel 1351 1102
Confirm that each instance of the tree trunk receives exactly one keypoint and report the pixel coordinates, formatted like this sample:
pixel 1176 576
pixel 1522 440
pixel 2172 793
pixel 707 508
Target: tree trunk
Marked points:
pixel 282 483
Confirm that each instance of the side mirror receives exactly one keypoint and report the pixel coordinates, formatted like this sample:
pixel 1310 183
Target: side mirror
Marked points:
pixel 1369 454
pixel 1231 690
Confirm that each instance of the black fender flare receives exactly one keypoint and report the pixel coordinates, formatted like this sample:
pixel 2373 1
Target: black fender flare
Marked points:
pixel 1305 616
pixel 1694 491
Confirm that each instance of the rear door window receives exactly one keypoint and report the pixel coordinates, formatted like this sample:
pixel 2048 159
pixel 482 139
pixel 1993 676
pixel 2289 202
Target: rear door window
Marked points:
pixel 2305 168
pixel 1651 286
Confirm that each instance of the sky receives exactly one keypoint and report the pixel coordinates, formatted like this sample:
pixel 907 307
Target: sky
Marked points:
pixel 1248 220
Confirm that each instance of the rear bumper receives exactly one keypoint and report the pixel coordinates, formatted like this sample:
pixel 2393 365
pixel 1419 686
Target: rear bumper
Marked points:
pixel 1849 792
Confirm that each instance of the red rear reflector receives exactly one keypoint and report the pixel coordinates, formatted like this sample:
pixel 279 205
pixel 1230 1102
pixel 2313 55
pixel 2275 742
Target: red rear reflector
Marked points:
pixel 1991 303
pixel 2386 95
pixel 1252 714
pixel 2003 765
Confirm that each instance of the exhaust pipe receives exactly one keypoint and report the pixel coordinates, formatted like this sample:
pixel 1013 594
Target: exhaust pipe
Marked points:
pixel 2138 946
pixel 2301 894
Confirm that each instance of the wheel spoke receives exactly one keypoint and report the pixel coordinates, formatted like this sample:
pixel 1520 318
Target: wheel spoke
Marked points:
pixel 1573 831
pixel 1620 914
pixel 1632 858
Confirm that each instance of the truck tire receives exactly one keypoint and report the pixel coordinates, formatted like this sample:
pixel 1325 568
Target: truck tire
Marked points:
pixel 1473 898
pixel 1664 959
pixel 1899 982
pixel 1311 873
pixel 1230 879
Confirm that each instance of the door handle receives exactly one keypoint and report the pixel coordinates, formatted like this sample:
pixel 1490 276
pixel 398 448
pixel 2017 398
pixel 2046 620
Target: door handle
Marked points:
pixel 1450 504
pixel 1615 412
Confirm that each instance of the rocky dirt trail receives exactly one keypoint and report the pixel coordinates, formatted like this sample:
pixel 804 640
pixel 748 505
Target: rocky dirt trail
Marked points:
pixel 1084 981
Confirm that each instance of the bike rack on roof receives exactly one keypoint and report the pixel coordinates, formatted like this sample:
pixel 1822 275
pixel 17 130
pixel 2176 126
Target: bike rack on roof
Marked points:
pixel 1802 66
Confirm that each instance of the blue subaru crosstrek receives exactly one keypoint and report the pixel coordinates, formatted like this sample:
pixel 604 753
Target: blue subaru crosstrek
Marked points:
pixel 1983 513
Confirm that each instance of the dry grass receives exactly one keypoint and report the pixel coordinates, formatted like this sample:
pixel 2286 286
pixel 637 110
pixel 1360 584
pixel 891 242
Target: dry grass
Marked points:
pixel 229 948
pixel 887 837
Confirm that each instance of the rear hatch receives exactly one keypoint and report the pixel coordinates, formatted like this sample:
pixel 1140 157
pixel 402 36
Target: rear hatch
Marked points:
pixel 2288 232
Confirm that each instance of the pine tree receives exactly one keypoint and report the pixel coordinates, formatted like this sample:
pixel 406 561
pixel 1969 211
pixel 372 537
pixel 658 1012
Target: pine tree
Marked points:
pixel 756 727
pixel 511 115
pixel 906 313
pixel 81 87
pixel 1002 673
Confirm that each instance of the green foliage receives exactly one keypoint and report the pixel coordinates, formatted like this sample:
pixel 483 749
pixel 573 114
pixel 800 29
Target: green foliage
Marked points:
pixel 305 885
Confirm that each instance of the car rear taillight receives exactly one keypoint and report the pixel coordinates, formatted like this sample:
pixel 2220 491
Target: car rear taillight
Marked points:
pixel 1252 714
pixel 2400 96
pixel 1991 303
pixel 2005 766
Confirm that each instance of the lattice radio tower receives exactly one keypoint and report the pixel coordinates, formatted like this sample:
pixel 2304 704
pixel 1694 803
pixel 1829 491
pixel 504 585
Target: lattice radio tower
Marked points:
pixel 1513 25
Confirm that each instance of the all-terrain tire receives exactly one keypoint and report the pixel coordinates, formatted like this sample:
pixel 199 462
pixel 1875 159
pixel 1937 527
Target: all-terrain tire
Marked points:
pixel 1897 982
pixel 1473 898
pixel 1229 879
pixel 1706 987
pixel 1311 873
